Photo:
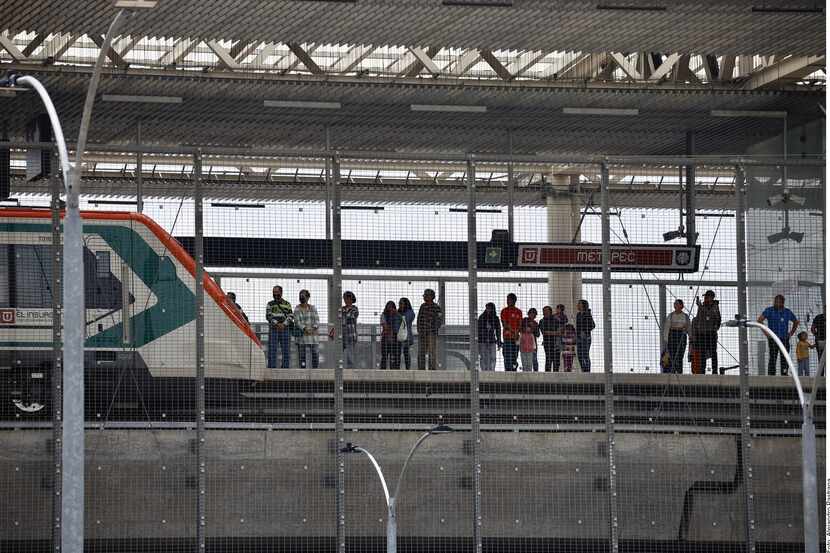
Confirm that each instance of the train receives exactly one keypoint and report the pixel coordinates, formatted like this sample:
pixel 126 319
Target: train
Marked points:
pixel 139 288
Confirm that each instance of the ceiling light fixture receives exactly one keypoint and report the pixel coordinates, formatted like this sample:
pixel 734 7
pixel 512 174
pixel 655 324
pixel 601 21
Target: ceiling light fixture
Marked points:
pixel 625 112
pixel 479 3
pixel 765 9
pixel 298 104
pixel 130 98
pixel 631 8
pixel 136 4
pixel 748 113
pixel 446 108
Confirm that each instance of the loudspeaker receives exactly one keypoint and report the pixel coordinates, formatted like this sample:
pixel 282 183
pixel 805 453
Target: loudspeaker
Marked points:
pixel 38 162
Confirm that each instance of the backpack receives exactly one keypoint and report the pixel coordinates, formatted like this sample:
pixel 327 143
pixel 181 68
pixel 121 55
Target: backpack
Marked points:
pixel 591 325
pixel 403 332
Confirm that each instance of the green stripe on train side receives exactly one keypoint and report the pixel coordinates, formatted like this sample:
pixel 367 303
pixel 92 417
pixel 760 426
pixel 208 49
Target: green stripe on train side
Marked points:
pixel 176 305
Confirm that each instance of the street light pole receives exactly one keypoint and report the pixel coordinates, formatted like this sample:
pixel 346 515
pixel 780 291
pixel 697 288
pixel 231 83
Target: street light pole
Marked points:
pixel 392 501
pixel 809 485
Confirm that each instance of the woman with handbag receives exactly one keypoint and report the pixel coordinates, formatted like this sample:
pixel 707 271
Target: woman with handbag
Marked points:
pixel 390 323
pixel 408 314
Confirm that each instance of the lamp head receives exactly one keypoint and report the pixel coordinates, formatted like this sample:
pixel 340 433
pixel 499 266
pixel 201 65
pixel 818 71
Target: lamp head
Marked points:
pixel 441 429
pixel 350 448
pixel 739 320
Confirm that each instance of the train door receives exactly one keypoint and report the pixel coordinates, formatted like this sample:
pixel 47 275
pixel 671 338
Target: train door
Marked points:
pixel 26 284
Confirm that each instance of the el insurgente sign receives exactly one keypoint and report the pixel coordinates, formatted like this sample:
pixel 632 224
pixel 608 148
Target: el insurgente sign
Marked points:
pixel 624 257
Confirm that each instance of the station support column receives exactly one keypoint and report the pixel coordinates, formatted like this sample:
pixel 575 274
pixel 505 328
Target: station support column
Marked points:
pixel 563 213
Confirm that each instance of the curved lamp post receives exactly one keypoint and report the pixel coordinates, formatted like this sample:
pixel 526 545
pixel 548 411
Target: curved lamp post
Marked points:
pixel 391 501
pixel 809 485
pixel 74 315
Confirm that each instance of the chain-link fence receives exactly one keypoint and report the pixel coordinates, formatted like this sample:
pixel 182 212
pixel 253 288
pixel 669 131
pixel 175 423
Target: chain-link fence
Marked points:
pixel 444 354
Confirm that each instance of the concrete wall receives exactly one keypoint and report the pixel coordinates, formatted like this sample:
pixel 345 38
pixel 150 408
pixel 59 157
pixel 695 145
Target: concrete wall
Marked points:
pixel 281 484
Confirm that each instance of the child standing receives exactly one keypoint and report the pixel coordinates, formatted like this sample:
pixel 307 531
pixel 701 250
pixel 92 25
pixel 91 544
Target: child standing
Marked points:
pixel 527 343
pixel 802 353
pixel 569 347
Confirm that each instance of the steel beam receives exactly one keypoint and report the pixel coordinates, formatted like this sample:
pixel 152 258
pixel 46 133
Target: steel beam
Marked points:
pixel 496 65
pixel 423 61
pixel 224 56
pixel 305 58
pixel 626 66
pixel 354 56
pixel 584 67
pixel 464 63
pixel 519 67
pixel 114 56
pixel 12 48
pixel 791 68
pixel 180 49
pixel 665 68
pixel 34 43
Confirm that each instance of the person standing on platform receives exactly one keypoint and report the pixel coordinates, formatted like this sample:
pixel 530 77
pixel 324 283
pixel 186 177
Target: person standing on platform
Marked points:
pixel 534 326
pixel 429 321
pixel 390 323
pixel 489 337
pixel 676 329
pixel 817 328
pixel 511 321
pixel 778 320
pixel 527 343
pixel 548 329
pixel 705 328
pixel 348 321
pixel 568 347
pixel 236 306
pixel 280 318
pixel 408 314
pixel 802 354
pixel 307 322
pixel 584 326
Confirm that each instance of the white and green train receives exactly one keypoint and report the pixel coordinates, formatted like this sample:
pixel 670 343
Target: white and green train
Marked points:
pixel 140 318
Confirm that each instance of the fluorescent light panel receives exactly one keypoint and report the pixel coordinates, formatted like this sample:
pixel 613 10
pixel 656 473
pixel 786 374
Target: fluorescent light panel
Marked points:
pixel 301 104
pixel 438 107
pixel 631 8
pixel 479 3
pixel 601 111
pixel 748 113
pixel 129 98
pixel 136 4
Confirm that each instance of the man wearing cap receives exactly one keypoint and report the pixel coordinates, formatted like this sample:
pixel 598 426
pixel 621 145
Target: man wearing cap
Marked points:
pixel 705 328
pixel 778 320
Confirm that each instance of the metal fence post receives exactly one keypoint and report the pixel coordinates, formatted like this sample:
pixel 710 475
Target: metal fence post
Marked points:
pixel 511 188
pixel 743 360
pixel 74 324
pixel 609 360
pixel 339 414
pixel 57 360
pixel 139 173
pixel 475 416
pixel 201 476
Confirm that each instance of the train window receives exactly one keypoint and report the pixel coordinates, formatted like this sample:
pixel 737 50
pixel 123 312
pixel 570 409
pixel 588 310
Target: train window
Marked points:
pixel 102 264
pixel 31 285
pixel 4 275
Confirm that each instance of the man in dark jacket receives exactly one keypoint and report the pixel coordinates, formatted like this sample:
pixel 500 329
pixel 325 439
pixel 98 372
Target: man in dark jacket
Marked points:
pixel 430 318
pixel 817 328
pixel 705 328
